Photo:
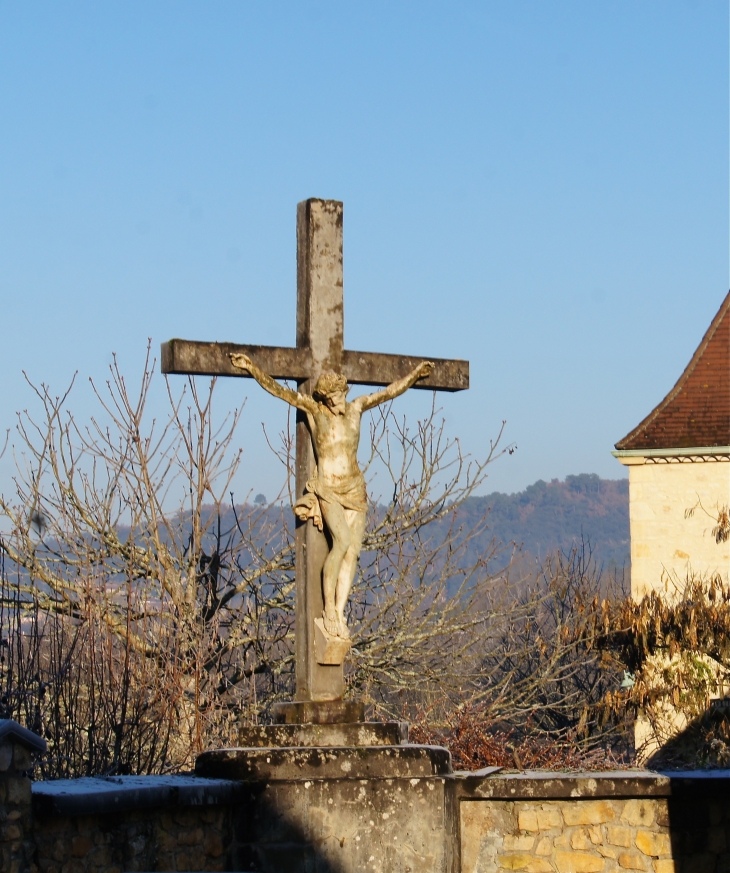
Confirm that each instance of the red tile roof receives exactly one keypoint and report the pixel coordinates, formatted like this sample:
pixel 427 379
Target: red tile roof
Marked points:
pixel 696 412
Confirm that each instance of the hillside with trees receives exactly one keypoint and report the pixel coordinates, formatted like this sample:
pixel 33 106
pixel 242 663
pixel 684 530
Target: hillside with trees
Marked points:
pixel 560 515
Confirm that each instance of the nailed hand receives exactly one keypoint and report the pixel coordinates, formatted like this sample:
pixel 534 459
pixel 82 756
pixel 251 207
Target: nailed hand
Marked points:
pixel 240 361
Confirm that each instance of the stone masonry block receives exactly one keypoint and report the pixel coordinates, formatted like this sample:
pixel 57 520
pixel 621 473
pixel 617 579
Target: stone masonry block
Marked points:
pixel 12 832
pixel 588 812
pixel 633 861
pixel 192 837
pixel 6 756
pixel 544 846
pixel 549 817
pixel 18 790
pixel 166 841
pixel 619 836
pixel 527 820
pixel 197 859
pixel 81 846
pixel 213 845
pixel 59 850
pixel 519 843
pixel 99 857
pixel 578 862
pixel 653 844
pixel 21 758
pixel 595 834
pixel 664 865
pixel 607 852
pixel 639 813
pixel 580 840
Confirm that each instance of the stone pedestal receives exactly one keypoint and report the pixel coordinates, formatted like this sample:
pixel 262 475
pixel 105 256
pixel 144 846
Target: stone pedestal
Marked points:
pixel 318 712
pixel 364 733
pixel 329 797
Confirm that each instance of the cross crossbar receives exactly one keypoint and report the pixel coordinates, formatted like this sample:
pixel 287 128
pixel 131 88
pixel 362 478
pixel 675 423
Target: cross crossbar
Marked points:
pixel 190 357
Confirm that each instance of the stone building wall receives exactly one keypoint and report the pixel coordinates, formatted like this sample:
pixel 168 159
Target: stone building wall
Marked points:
pixel 663 540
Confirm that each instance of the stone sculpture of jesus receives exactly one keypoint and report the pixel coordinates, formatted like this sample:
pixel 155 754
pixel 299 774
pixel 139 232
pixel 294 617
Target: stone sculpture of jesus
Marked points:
pixel 336 493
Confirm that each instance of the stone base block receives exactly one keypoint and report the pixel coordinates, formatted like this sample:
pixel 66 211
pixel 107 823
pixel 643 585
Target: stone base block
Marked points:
pixel 346 826
pixel 338 809
pixel 318 712
pixel 305 764
pixel 364 733
pixel 329 650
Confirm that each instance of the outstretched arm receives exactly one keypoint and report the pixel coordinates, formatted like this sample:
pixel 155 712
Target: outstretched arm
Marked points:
pixel 368 401
pixel 294 398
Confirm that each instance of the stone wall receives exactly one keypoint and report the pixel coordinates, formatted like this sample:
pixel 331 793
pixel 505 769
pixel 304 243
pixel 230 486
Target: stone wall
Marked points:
pixel 193 838
pixel 687 831
pixel 485 822
pixel 569 836
pixel 16 813
pixel 190 823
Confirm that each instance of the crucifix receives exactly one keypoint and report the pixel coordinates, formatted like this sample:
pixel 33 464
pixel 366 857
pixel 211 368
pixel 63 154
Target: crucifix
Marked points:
pixel 319 356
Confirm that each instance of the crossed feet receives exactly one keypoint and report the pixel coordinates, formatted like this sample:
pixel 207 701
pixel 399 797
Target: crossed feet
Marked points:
pixel 335 625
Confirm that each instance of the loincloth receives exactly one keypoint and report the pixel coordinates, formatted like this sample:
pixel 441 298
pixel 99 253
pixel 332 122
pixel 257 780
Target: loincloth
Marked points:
pixel 350 494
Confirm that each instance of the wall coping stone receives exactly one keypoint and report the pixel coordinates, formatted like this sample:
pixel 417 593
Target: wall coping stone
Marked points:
pixel 551 785
pixel 104 794
pixel 11 731
pixel 101 794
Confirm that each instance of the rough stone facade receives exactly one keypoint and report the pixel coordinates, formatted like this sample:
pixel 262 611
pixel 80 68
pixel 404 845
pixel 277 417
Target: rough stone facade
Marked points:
pixel 597 823
pixel 16 819
pixel 17 845
pixel 193 838
pixel 591 836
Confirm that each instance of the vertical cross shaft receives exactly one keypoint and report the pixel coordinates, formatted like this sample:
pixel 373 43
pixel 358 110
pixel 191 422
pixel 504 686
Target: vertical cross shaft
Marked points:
pixel 320 326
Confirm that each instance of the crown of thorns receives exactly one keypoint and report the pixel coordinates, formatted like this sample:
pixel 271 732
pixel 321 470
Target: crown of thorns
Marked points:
pixel 329 383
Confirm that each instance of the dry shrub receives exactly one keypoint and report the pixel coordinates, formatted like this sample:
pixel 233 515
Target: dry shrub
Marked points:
pixel 676 651
pixel 475 741
pixel 532 691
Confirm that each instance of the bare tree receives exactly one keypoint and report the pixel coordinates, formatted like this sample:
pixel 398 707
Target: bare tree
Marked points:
pixel 146 614
pixel 115 541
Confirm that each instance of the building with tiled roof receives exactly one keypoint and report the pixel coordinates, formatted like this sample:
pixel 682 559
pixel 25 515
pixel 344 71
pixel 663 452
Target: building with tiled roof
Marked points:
pixel 679 472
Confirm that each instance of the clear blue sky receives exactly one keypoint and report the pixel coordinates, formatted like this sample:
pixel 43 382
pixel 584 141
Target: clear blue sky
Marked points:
pixel 539 187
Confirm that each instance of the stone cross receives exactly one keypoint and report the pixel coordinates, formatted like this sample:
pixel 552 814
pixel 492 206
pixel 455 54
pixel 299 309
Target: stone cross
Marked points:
pixel 320 346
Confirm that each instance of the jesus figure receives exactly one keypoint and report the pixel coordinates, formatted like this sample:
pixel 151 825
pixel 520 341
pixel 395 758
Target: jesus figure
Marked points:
pixel 335 495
